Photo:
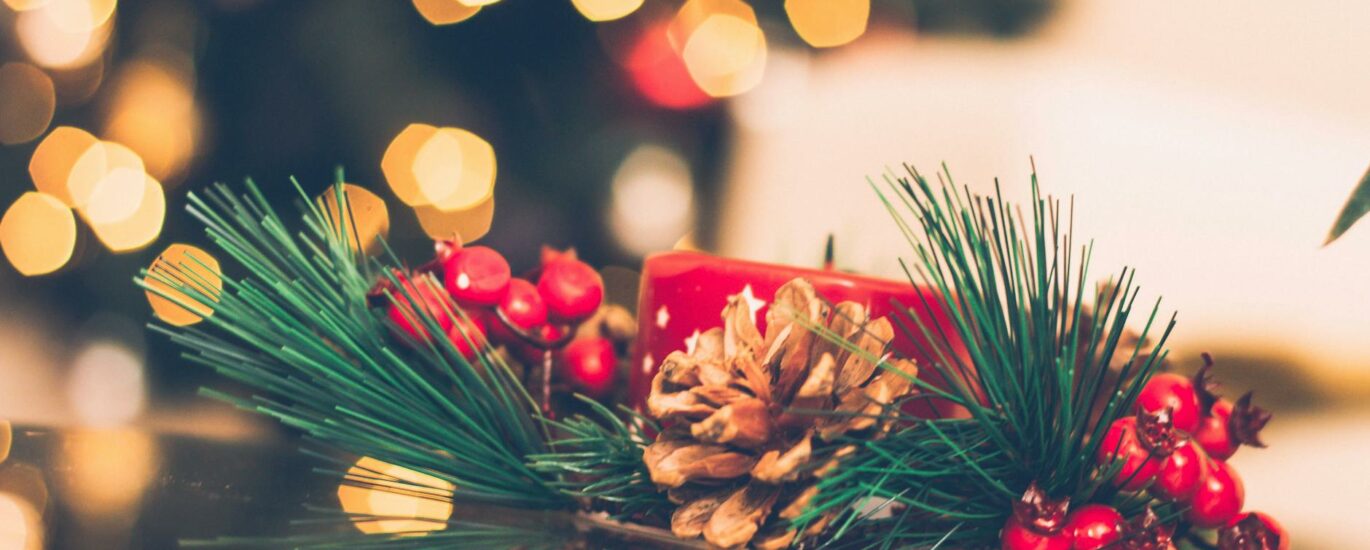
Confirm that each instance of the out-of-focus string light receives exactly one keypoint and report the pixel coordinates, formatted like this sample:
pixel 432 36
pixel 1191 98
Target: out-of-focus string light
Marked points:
pixel 53 41
pixel 153 112
pixel 127 222
pixel 365 221
pixel 455 169
pixel 659 73
pixel 29 102
pixel 465 225
pixel 105 386
pixel 652 201
pixel 99 162
pixel 445 12
pixel 828 23
pixel 425 504
pixel 77 85
pixel 20 526
pixel 398 163
pixel 189 266
pixel 25 5
pixel 606 10
pixel 722 45
pixel 38 234
pixel 52 161
pixel 25 482
pixel 104 472
pixel 476 3
pixel 6 439
pixel 78 16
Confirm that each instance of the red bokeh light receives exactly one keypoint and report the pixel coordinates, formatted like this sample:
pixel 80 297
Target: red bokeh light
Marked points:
pixel 659 74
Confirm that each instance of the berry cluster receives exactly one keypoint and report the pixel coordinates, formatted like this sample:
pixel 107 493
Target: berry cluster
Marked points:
pixel 531 316
pixel 1175 446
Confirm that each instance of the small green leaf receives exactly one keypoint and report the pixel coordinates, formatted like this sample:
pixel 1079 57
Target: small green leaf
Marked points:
pixel 1356 207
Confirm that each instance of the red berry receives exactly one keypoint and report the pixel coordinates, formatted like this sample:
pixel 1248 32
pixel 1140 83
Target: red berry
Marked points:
pixel 523 306
pixel 1017 536
pixel 428 299
pixel 588 364
pixel 1181 472
pixel 1094 526
pixel 1219 497
pixel 1213 434
pixel 571 288
pixel 1121 442
pixel 476 275
pixel 464 334
pixel 1174 392
pixel 1253 531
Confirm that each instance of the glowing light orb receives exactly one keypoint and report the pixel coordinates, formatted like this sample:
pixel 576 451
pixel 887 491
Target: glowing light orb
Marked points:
pixel 398 163
pixel 29 102
pixel 153 112
pixel 38 234
pixel 105 471
pixel 425 504
pixel 105 386
pixel 652 202
pixel 130 221
pixel 53 160
pixel 366 220
pixel 20 525
pixel 464 225
pixel 828 23
pixel 6 439
pixel 187 266
pixel 52 39
pixel 101 161
pixel 659 73
pixel 456 169
pixel 445 12
pixel 722 45
pixel 606 10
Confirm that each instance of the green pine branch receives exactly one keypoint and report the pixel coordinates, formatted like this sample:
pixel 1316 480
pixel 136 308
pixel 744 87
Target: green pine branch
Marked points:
pixel 1033 374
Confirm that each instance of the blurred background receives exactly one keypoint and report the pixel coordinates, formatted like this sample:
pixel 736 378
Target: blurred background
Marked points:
pixel 1208 144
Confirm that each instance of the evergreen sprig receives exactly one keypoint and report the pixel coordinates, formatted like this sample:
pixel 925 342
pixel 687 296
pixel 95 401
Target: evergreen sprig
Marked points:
pixel 297 327
pixel 1026 358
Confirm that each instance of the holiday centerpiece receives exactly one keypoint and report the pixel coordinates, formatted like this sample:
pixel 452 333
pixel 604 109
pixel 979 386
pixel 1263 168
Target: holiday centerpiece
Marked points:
pixel 772 407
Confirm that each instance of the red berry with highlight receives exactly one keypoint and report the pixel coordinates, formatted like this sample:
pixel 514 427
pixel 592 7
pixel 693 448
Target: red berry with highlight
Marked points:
pixel 1174 392
pixel 468 336
pixel 1181 472
pixel 428 299
pixel 1017 536
pixel 1219 497
pixel 476 276
pixel 571 289
pixel 589 365
pixel 1094 526
pixel 1122 442
pixel 523 306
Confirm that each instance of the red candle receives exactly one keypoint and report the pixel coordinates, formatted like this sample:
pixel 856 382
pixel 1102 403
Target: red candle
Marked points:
pixel 683 294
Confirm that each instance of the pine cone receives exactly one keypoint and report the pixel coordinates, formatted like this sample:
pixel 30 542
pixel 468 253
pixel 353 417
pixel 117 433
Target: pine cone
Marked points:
pixel 752 420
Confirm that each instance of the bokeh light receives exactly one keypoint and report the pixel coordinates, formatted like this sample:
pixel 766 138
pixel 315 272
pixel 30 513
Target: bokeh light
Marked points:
pixel 455 169
pixel 29 102
pixel 38 234
pixel 25 5
pixel 24 482
pixel 828 23
pixel 722 45
pixel 188 266
pixel 103 160
pixel 424 498
pixel 153 112
pixel 104 472
pixel 53 160
pixel 126 210
pixel 464 225
pixel 20 525
pixel 398 163
pixel 105 386
pixel 366 221
pixel 6 439
pixel 77 85
pixel 659 73
pixel 606 10
pixel 79 15
pixel 652 203
pixel 56 37
pixel 476 3
pixel 445 12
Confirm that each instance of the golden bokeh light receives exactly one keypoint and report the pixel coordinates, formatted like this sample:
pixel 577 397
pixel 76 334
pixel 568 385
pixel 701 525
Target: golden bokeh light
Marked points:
pixel 455 169
pixel 25 5
pixel 722 45
pixel 423 502
pixel 445 12
pixel 6 439
pixel 29 102
pixel 126 210
pixel 101 161
pixel 828 23
pixel 153 112
pixel 652 200
pixel 75 86
pixel 366 221
pixel 398 163
pixel 47 36
pixel 78 16
pixel 476 3
pixel 20 526
pixel 38 234
pixel 105 385
pixel 606 10
pixel 466 225
pixel 24 482
pixel 104 472
pixel 53 160
pixel 183 265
